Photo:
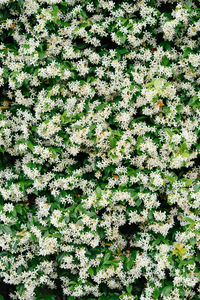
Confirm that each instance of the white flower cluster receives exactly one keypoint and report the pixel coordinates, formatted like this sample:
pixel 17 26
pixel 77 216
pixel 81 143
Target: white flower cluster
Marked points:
pixel 99 145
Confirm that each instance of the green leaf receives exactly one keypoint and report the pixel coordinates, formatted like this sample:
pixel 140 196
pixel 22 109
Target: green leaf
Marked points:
pixel 18 209
pixel 171 178
pixel 165 61
pixel 156 293
pixel 20 289
pixel 19 271
pixel 47 297
pixel 189 4
pixel 198 257
pixel 113 297
pixel 2 149
pixel 6 229
pixel 123 39
pixel 98 192
pixel 91 272
pixel 30 145
pixel 140 140
pixel 14 247
pixel 187 51
pixel 159 83
pixel 129 264
pixel 33 238
pixel 72 283
pixel 83 14
pixel 60 257
pixel 185 154
pixel 194 101
pixel 186 181
pixel 50 297
pixel 101 106
pixel 2 298
pixel 106 257
pixel 129 289
pixel 123 51
pixel 166 290
pixel 156 242
pixel 166 45
pixel 79 222
pixel 67 218
pixel 83 25
pixel 182 293
pixel 138 202
pixel 169 131
pixel 150 216
pixel 21 3
pixel 155 99
pixel 55 10
pixel 113 141
pixel 190 220
pixel 187 262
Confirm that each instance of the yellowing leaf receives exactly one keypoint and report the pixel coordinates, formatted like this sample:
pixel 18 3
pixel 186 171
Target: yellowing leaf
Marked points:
pixel 179 249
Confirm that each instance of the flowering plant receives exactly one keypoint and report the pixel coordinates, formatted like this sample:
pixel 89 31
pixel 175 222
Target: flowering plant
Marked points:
pixel 99 145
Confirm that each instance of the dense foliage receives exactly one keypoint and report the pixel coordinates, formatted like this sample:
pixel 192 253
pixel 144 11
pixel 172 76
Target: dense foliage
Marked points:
pixel 99 142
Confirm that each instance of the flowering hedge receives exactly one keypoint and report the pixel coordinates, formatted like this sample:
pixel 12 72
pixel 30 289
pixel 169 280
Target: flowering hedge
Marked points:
pixel 99 142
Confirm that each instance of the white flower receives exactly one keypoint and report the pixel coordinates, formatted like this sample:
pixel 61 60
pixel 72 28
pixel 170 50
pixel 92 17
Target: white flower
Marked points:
pixel 47 246
pixel 8 207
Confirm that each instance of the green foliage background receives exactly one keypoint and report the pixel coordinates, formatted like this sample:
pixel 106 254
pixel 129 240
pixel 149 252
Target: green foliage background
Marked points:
pixel 99 145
